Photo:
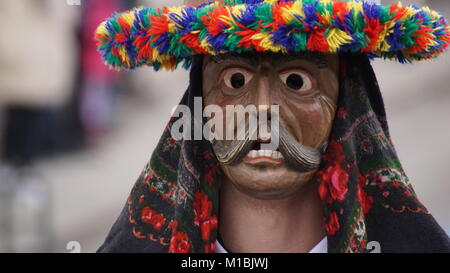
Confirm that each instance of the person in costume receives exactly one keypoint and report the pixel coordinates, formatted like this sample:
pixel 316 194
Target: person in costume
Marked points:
pixel 333 184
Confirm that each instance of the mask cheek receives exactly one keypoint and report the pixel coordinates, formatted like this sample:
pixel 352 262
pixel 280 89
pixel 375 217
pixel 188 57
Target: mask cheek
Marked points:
pixel 325 123
pixel 312 124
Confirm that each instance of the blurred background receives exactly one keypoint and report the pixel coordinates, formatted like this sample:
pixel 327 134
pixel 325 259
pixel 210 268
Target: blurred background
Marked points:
pixel 74 136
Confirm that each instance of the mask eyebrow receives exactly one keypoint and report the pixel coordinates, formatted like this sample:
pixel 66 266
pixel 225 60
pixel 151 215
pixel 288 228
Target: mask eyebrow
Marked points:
pixel 250 59
pixel 312 57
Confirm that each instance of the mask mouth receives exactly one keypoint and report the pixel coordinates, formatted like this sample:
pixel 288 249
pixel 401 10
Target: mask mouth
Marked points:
pixel 263 158
pixel 259 157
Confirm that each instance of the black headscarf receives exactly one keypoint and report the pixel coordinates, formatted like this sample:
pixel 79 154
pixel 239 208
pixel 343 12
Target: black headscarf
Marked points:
pixel 366 197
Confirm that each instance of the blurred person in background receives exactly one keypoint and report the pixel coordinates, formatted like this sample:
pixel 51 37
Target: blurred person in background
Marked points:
pixel 99 86
pixel 143 84
pixel 37 69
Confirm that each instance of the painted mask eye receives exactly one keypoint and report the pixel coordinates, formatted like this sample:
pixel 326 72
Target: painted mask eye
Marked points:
pixel 298 80
pixel 236 78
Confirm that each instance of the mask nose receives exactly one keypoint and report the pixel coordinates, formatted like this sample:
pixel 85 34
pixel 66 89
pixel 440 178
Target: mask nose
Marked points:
pixel 262 93
pixel 263 102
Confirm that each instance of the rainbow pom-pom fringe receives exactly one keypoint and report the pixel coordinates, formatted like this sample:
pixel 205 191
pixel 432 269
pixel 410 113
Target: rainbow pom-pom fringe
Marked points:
pixel 166 37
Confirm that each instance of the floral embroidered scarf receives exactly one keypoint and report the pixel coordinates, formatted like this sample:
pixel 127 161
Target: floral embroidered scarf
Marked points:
pixel 366 196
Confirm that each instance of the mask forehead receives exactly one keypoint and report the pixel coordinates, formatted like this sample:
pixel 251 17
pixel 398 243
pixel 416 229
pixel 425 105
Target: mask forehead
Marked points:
pixel 313 57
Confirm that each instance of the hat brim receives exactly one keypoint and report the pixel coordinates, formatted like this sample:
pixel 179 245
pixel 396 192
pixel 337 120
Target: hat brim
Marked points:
pixel 166 37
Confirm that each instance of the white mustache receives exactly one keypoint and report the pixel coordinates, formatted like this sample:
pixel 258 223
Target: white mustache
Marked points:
pixel 297 156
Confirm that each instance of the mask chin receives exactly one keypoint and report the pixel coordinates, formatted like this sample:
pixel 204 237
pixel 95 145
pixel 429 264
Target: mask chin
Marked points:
pixel 267 183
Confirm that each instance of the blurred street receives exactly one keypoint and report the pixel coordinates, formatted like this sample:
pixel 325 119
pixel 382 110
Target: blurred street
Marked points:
pixel 89 187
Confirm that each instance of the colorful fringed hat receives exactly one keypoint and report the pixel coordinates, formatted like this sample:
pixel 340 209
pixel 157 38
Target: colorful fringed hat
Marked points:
pixel 166 37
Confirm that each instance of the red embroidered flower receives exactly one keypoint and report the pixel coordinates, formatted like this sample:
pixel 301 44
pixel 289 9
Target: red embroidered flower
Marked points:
pixel 174 225
pixel 203 217
pixel 171 141
pixel 363 243
pixel 339 182
pixel 334 184
pixel 342 114
pixel 323 191
pixel 207 226
pixel 182 193
pixel 335 153
pixel 365 200
pixel 362 180
pixel 179 243
pixel 367 205
pixel 210 248
pixel 202 207
pixel 147 178
pixel 152 218
pixel 210 172
pixel 141 199
pixel 333 224
pixel 408 193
